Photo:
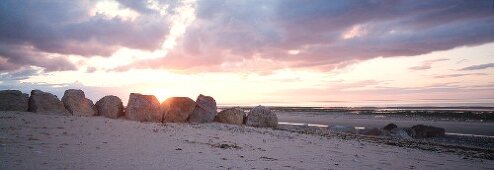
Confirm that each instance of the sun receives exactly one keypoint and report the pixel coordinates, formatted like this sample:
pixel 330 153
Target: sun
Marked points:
pixel 161 94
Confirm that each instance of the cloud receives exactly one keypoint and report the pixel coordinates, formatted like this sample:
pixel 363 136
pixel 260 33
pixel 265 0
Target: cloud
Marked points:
pixel 427 64
pixel 21 74
pixel 229 34
pixel 74 28
pixel 459 75
pixel 478 67
pixel 326 33
pixel 14 57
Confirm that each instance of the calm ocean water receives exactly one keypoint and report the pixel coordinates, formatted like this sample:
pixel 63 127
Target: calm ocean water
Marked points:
pixel 383 103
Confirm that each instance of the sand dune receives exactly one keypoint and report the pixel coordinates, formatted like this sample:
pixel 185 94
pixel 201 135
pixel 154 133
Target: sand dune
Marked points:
pixel 33 141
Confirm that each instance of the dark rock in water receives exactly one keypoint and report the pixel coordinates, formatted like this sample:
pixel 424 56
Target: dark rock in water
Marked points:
pixel 373 132
pixel 402 133
pixel 47 103
pixel 261 116
pixel 205 110
pixel 231 116
pixel 177 109
pixel 390 127
pixel 422 131
pixel 144 108
pixel 110 106
pixel 77 104
pixel 13 100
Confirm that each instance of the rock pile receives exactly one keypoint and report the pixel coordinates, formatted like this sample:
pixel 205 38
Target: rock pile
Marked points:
pixel 416 132
pixel 144 108
pixel 46 103
pixel 77 104
pixel 13 100
pixel 422 131
pixel 205 110
pixel 110 106
pixel 177 109
pixel 231 116
pixel 261 116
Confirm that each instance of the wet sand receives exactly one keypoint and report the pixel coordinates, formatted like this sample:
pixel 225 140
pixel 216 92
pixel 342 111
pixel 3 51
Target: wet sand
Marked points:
pixel 379 121
pixel 32 141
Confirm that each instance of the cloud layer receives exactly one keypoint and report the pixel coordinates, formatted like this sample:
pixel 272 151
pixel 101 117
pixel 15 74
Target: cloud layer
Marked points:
pixel 31 32
pixel 323 34
pixel 254 35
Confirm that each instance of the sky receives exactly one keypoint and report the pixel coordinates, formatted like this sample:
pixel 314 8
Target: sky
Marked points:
pixel 254 52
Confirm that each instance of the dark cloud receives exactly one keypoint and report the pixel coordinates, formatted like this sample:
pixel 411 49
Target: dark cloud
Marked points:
pixel 460 75
pixel 66 27
pixel 288 33
pixel 478 67
pixel 235 31
pixel 21 74
pixel 13 57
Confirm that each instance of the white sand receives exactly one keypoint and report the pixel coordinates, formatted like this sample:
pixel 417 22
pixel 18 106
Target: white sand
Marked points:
pixel 31 141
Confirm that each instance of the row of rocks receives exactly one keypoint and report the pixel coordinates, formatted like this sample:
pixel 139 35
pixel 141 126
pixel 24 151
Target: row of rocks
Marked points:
pixel 144 108
pixel 416 131
pixel 259 116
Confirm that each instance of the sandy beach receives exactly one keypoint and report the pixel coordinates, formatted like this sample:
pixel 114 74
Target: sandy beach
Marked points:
pixel 34 141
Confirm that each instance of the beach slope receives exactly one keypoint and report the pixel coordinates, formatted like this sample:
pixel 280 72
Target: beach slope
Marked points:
pixel 33 141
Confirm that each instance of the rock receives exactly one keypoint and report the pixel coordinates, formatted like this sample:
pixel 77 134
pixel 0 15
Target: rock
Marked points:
pixel 372 132
pixel 13 100
pixel 422 131
pixel 389 127
pixel 77 104
pixel 231 116
pixel 177 109
pixel 110 106
pixel 205 110
pixel 402 133
pixel 261 116
pixel 46 103
pixel 144 108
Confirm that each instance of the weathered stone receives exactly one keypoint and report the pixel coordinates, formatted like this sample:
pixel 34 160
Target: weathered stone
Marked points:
pixel 13 100
pixel 177 109
pixel 422 131
pixel 46 103
pixel 261 116
pixel 389 127
pixel 231 116
pixel 205 110
pixel 77 104
pixel 402 133
pixel 143 108
pixel 110 106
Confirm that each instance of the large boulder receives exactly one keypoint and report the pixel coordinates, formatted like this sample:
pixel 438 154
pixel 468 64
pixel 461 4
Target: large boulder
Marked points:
pixel 144 108
pixel 205 110
pixel 13 100
pixel 261 116
pixel 390 127
pixel 422 131
pixel 46 103
pixel 110 106
pixel 231 116
pixel 402 133
pixel 177 109
pixel 77 104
